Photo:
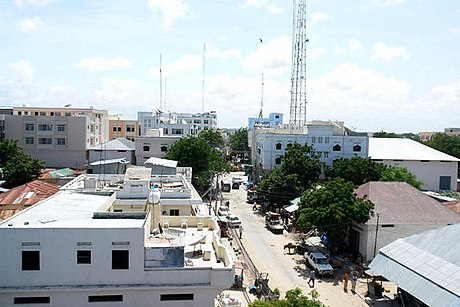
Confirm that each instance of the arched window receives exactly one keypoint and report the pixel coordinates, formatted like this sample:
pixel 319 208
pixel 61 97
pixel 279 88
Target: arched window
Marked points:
pixel 146 148
pixel 278 161
pixel 278 146
pixel 357 148
pixel 289 145
pixel 336 147
pixel 164 148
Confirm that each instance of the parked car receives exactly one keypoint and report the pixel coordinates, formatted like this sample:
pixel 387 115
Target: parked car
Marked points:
pixel 233 221
pixel 235 185
pixel 238 180
pixel 223 211
pixel 319 263
pixel 225 186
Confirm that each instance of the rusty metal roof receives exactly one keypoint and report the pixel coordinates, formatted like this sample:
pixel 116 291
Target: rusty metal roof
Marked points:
pixel 28 194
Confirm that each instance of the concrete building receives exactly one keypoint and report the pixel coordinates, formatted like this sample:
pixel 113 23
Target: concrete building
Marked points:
pixel 452 131
pixel 437 170
pixel 122 128
pixel 200 121
pixel 114 149
pixel 112 166
pixel 154 144
pixel 59 136
pixel 400 211
pixel 127 240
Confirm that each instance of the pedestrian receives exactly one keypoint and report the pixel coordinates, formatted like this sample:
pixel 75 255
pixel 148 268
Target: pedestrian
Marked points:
pixel 345 282
pixel 241 231
pixel 311 281
pixel 354 279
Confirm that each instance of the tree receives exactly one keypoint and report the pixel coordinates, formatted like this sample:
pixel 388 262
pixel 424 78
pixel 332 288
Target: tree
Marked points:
pixel 294 298
pixel 299 169
pixel 332 207
pixel 19 167
pixel 238 142
pixel 212 137
pixel 205 160
pixel 400 174
pixel 448 144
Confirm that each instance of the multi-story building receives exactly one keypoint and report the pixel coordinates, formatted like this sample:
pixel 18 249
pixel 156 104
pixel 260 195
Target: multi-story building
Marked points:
pixel 200 121
pixel 122 128
pixel 115 240
pixel 154 144
pixel 452 131
pixel 59 136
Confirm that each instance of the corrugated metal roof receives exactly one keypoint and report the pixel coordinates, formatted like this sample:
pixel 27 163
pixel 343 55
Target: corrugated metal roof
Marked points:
pixel 116 144
pixel 400 203
pixel 427 265
pixel 161 162
pixel 28 194
pixel 111 161
pixel 404 149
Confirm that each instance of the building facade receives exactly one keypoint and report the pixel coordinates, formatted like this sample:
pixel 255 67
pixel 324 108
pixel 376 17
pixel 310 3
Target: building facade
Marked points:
pixel 121 128
pixel 155 146
pixel 60 137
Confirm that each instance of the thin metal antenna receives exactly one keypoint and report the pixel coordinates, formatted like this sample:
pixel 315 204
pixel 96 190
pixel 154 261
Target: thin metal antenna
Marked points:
pixel 204 70
pixel 261 114
pixel 161 85
pixel 166 86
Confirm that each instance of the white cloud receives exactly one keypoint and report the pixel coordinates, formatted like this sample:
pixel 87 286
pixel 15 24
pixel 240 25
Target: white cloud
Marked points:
pixel 388 53
pixel 23 3
pixel 354 45
pixel 272 57
pixel 170 10
pixel 315 52
pixel 29 25
pixel 185 63
pixel 266 4
pixel 445 96
pixel 115 90
pixel 318 17
pixel 388 2
pixel 103 64
pixel 216 53
pixel 22 70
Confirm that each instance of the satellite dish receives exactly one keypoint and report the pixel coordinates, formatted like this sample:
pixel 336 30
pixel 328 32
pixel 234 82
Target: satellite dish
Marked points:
pixel 67 105
pixel 154 196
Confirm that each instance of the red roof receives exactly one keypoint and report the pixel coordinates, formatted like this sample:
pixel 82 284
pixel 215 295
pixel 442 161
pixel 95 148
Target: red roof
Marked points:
pixel 28 194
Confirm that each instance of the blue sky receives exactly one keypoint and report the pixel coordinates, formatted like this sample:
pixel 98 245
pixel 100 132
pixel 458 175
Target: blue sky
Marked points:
pixel 389 65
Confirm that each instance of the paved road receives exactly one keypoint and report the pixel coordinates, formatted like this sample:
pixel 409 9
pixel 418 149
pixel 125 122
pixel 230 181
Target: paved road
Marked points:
pixel 285 271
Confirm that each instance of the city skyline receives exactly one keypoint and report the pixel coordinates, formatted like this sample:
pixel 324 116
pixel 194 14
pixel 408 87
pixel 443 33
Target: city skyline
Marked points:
pixel 376 65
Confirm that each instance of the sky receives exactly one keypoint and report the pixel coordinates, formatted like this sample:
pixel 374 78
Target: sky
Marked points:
pixel 391 65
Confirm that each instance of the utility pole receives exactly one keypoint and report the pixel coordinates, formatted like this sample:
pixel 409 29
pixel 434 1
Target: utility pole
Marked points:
pixel 376 232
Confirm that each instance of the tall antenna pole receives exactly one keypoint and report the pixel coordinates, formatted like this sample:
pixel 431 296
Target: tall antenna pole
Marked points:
pixel 204 70
pixel 161 85
pixel 166 86
pixel 261 114
pixel 297 118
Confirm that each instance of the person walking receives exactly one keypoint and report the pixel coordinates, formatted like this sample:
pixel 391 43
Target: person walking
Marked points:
pixel 311 281
pixel 241 231
pixel 345 282
pixel 354 279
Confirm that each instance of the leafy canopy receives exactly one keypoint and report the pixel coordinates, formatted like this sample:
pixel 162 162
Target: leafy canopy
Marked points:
pixel 449 144
pixel 205 160
pixel 332 207
pixel 238 142
pixel 294 298
pixel 19 167
pixel 212 137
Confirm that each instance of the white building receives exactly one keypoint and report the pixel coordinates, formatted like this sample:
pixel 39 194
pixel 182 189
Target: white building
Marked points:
pixel 437 170
pixel 114 149
pixel 59 136
pixel 154 144
pixel 105 240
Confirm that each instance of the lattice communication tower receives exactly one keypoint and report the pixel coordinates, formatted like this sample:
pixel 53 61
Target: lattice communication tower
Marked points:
pixel 297 118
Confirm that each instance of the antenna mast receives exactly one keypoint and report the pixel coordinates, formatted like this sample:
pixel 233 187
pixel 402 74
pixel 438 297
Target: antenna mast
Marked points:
pixel 297 118
pixel 261 114
pixel 161 85
pixel 202 89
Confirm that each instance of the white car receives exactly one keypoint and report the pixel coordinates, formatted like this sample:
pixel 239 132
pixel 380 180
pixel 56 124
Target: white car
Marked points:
pixel 233 221
pixel 319 263
pixel 223 211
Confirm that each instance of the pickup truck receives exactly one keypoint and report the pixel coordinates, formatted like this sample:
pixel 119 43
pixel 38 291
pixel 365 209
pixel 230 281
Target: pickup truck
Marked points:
pixel 274 223
pixel 319 263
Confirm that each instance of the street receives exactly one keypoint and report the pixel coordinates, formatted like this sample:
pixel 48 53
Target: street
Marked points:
pixel 285 271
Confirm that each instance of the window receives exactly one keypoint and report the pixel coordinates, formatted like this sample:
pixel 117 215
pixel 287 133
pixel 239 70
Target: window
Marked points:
pixel 164 148
pixel 61 128
pixel 58 114
pixel 45 127
pixel 325 154
pixel 42 113
pixel 36 113
pixel 336 147
pixel 278 161
pixel 320 139
pixel 45 141
pixel 32 300
pixel 444 183
pixel 114 129
pixel 289 145
pixel 326 139
pixel 130 129
pixel 51 113
pixel 177 297
pixel 60 141
pixel 146 148
pixel 278 146
pixel 356 148
pixel 92 128
pixel 177 131
pixel 30 260
pixel 119 129
pixel 313 139
pixel 206 121
pixel 120 259
pixel 258 151
pixel 19 113
pixel 29 140
pixel 105 298
pixel 83 256
pixel 174 212
pixel 30 127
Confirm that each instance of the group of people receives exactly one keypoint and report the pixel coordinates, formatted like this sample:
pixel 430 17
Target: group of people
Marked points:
pixel 354 279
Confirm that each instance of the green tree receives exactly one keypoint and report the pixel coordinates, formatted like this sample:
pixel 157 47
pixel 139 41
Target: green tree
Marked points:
pixel 383 134
pixel 205 160
pixel 400 174
pixel 212 137
pixel 294 298
pixel 299 169
pixel 331 208
pixel 19 167
pixel 449 144
pixel 238 142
